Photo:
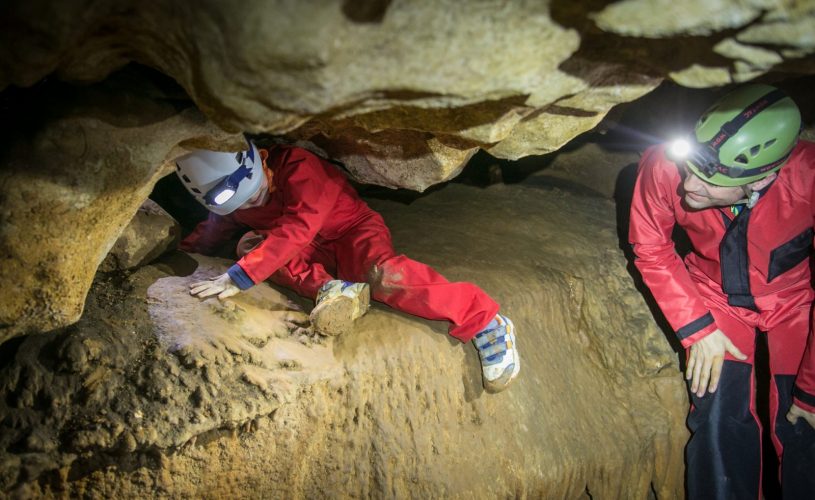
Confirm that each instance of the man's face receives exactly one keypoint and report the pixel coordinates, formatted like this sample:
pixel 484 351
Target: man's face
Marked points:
pixel 699 194
pixel 260 196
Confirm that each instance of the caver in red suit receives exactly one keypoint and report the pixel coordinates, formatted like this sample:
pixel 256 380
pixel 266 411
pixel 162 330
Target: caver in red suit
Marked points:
pixel 317 229
pixel 746 273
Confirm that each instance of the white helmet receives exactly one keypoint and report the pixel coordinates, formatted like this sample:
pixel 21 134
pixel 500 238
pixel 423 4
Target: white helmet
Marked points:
pixel 222 182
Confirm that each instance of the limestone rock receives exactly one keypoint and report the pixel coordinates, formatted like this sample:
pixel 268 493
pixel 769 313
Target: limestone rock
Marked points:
pixel 424 83
pixel 73 175
pixel 127 379
pixel 772 31
pixel 394 158
pixel 150 233
pixel 792 27
pixel 698 76
pixel 188 398
pixel 665 18
pixel 546 131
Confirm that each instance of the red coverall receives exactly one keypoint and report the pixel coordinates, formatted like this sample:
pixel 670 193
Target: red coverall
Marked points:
pixel 745 274
pixel 318 229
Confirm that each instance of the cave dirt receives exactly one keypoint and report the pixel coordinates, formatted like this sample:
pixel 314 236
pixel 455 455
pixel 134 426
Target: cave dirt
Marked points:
pixel 157 393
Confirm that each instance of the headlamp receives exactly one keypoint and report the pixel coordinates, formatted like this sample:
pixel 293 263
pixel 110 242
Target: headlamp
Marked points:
pixel 703 156
pixel 679 149
pixel 228 186
pixel 223 196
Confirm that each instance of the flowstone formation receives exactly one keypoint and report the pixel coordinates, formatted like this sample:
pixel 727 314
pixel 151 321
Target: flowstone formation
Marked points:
pixel 157 392
pixel 147 370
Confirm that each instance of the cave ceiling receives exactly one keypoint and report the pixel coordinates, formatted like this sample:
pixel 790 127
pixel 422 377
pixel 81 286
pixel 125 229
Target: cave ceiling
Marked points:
pixel 405 92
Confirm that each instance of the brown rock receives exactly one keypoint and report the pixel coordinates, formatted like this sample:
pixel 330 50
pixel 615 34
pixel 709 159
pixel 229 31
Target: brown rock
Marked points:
pixel 404 92
pixel 72 177
pixel 150 233
pixel 237 406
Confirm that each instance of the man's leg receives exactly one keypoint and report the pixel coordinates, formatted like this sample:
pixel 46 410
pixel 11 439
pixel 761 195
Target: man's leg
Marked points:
pixel 795 444
pixel 724 451
pixel 366 254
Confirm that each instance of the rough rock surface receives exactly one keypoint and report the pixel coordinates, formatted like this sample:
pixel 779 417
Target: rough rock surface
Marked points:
pixel 150 233
pixel 77 163
pixel 404 92
pixel 155 392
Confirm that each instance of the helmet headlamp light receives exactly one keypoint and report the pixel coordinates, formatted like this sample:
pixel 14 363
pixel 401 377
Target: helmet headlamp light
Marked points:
pixel 226 188
pixel 703 156
pixel 679 149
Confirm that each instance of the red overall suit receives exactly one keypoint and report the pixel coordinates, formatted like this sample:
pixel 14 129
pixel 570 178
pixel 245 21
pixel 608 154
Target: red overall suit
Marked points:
pixel 746 273
pixel 318 229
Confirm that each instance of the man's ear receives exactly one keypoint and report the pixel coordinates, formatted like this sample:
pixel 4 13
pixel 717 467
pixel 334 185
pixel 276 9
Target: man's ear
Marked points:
pixel 761 184
pixel 263 156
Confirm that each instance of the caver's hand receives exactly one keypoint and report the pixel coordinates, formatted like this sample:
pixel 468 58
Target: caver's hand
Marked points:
pixel 797 412
pixel 222 286
pixel 706 359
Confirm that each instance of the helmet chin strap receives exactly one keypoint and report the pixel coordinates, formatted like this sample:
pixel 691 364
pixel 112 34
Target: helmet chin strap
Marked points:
pixel 755 190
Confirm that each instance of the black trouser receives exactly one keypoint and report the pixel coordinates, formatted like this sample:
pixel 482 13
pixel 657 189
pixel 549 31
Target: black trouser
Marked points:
pixel 724 452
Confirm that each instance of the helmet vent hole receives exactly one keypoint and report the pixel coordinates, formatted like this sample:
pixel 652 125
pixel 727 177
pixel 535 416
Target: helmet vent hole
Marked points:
pixel 186 179
pixel 754 150
pixel 196 191
pixel 742 159
pixel 769 143
pixel 177 167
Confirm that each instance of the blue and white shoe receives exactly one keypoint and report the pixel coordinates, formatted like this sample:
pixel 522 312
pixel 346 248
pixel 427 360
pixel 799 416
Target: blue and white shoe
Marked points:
pixel 498 351
pixel 339 304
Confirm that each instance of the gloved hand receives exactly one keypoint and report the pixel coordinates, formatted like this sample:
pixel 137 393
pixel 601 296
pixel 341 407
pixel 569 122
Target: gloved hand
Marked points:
pixel 223 286
pixel 796 412
pixel 706 359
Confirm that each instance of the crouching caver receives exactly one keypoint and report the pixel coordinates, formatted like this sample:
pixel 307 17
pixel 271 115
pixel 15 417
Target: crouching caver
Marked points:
pixel 311 232
pixel 742 185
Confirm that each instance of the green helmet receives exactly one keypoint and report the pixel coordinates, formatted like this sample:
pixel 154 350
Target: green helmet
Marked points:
pixel 745 136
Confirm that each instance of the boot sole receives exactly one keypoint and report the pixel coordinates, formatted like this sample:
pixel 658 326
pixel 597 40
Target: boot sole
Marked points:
pixel 336 316
pixel 504 381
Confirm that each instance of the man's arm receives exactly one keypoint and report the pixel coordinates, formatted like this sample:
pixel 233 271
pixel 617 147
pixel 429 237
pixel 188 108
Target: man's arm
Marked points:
pixel 310 193
pixel 803 392
pixel 652 222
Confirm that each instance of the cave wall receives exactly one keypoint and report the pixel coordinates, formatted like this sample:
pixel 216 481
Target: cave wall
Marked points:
pixel 77 163
pixel 158 393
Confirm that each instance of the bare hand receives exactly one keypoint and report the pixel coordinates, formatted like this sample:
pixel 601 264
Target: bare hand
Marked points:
pixel 223 286
pixel 796 412
pixel 706 359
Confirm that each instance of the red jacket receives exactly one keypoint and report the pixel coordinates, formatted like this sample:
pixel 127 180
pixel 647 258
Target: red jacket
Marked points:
pixel 760 263
pixel 310 199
